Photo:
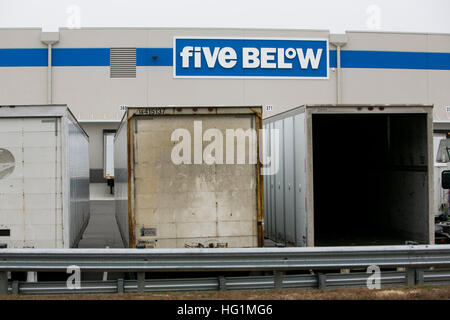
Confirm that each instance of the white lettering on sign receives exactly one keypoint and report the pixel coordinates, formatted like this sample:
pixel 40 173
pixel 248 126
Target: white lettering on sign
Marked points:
pixel 185 54
pixel 281 63
pixel 210 58
pixel 267 58
pixel 198 58
pixel 250 58
pixel 226 57
pixel 310 57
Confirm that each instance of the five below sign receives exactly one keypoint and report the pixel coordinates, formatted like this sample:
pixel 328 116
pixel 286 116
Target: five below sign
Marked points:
pixel 250 58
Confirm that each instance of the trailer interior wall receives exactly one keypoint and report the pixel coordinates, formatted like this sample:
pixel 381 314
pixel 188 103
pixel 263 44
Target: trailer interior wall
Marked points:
pixel 284 190
pixel 121 181
pixel 44 177
pixel 351 176
pixel 173 205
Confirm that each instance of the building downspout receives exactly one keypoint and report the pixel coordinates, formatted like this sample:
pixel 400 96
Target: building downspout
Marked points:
pixel 49 75
pixel 49 38
pixel 338 74
pixel 338 40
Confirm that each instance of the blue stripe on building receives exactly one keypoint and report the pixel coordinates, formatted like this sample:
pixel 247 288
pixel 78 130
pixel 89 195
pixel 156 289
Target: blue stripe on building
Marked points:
pixel 80 57
pixel 332 59
pixel 60 57
pixel 154 57
pixel 395 60
pixel 391 60
pixel 23 57
pixel 68 57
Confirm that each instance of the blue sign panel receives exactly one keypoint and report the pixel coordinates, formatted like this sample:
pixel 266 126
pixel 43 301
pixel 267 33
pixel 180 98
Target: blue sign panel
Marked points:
pixel 250 58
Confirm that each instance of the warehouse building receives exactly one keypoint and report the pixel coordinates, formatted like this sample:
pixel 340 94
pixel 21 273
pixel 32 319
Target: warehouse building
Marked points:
pixel 97 72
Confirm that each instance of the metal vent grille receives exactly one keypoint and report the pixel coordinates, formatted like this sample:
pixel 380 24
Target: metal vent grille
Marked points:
pixel 122 63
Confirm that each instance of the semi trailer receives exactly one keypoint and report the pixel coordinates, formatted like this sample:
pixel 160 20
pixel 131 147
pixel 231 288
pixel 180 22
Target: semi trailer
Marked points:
pixel 350 175
pixel 189 177
pixel 44 177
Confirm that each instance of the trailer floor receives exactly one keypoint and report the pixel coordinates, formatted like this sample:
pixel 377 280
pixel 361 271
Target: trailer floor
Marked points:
pixel 359 240
pixel 345 241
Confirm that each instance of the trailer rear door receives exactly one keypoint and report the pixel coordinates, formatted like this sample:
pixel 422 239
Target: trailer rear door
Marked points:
pixel 30 183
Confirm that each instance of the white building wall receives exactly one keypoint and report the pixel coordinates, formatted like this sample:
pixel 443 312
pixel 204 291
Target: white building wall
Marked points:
pixel 93 95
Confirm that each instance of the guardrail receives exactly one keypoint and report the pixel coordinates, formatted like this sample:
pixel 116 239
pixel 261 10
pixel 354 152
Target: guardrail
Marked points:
pixel 305 281
pixel 416 260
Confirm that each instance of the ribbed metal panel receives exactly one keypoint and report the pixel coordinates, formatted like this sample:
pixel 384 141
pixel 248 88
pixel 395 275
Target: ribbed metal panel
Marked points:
pixel 123 63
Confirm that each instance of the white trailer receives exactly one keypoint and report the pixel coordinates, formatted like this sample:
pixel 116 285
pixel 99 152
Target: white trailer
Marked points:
pixel 44 177
pixel 164 204
pixel 351 175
